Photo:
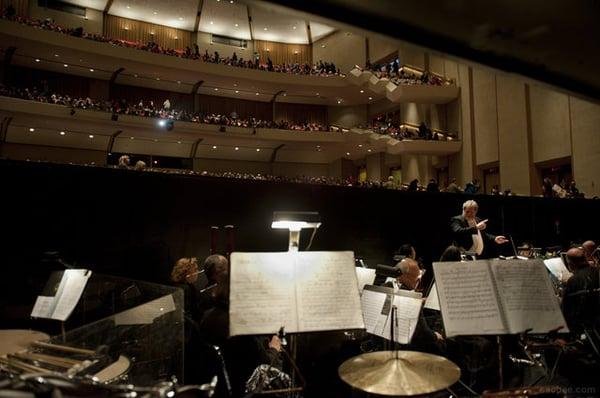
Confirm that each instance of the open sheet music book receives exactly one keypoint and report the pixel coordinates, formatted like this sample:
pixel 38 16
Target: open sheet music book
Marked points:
pixel 377 302
pixel 366 276
pixel 61 294
pixel 497 297
pixel 301 291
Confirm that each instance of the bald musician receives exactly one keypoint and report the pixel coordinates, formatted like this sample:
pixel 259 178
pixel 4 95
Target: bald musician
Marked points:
pixel 468 230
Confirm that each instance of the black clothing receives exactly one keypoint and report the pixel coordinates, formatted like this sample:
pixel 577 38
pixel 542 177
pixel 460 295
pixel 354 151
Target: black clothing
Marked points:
pixel 581 306
pixel 462 233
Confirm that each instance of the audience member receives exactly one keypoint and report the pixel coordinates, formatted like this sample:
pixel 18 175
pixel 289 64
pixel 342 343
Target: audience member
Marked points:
pixel 124 162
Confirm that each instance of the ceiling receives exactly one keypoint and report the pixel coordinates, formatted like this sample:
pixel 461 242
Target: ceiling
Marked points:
pixel 230 18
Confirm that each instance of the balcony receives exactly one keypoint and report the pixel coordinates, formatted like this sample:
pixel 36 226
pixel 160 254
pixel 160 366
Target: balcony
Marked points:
pixel 419 93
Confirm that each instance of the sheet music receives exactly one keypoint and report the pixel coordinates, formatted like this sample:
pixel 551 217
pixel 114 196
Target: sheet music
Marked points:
pixel 302 291
pixel 527 296
pixel 42 307
pixel 557 267
pixel 373 311
pixel 377 302
pixel 366 276
pixel 468 299
pixel 407 319
pixel 261 298
pixel 327 291
pixel 432 302
pixel 69 291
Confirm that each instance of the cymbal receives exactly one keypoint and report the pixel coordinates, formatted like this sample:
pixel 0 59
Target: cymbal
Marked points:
pixel 399 373
pixel 16 340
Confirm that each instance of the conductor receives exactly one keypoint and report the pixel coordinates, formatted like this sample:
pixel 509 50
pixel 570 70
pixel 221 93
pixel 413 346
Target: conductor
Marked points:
pixel 468 231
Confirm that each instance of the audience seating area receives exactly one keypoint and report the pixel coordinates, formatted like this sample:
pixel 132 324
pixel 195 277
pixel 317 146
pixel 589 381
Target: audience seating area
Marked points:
pixel 321 68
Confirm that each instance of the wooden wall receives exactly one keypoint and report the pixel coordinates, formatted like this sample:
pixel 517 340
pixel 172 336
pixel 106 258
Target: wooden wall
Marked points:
pixel 301 113
pixel 75 86
pixel 281 53
pixel 20 6
pixel 130 29
pixel 244 108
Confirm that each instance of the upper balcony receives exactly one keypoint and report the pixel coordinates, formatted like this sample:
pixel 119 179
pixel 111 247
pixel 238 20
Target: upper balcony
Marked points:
pixel 35 123
pixel 405 90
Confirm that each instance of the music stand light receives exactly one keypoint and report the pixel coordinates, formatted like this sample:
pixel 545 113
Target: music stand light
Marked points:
pixel 295 221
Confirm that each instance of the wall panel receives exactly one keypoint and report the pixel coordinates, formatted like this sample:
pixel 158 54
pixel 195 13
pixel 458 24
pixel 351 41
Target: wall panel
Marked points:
pixel 144 32
pixel 52 154
pixel 512 133
pixel 585 119
pixel 347 116
pixel 283 53
pixel 300 113
pixel 380 48
pixel 244 108
pixel 91 23
pixel 550 124
pixel 485 115
pixel 134 94
pixel 343 49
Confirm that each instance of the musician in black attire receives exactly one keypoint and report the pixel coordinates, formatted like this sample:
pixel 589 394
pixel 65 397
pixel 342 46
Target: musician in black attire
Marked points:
pixel 468 231
pixel 581 300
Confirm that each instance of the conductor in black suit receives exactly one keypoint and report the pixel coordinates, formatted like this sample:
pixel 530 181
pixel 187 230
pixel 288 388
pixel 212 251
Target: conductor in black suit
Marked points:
pixel 468 231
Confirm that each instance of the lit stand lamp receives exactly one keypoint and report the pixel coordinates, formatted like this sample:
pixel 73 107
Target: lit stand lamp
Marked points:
pixel 295 221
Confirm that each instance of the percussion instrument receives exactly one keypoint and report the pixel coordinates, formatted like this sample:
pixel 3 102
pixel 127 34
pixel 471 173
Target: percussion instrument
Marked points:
pixel 399 372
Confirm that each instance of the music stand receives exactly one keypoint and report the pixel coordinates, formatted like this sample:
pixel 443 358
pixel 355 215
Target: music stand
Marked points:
pixel 295 221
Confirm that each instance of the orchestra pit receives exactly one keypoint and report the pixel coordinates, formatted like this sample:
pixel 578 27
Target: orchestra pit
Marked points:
pixel 249 198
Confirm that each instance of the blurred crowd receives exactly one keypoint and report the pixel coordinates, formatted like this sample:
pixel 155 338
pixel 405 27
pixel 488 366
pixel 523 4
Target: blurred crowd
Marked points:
pixel 402 75
pixel 147 108
pixel 254 62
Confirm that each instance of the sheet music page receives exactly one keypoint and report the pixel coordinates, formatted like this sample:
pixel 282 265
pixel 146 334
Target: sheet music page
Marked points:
pixel 42 307
pixel 327 291
pixel 374 310
pixel 69 292
pixel 432 302
pixel 409 308
pixel 468 299
pixel 261 297
pixel 366 276
pixel 558 268
pixel 527 296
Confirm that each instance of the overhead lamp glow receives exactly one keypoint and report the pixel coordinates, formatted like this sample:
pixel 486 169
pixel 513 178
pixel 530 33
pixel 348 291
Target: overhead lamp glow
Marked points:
pixel 257 94
pixel 56 55
pixel 91 70
pixel 360 145
pixel 214 147
pixel 294 221
pixel 211 22
pixel 323 46
pixel 131 138
pixel 265 28
pixel 179 142
pixel 158 78
pixel 128 7
pixel 257 149
pixel 162 122
pixel 368 150
pixel 339 101
pixel 62 133
pixel 37 60
pixel 91 136
pixel 362 91
pixel 155 13
pixel 178 81
pixel 347 153
pixel 236 25
pixel 181 18
pixel 216 89
pixel 237 91
pixel 65 65
pixel 31 129
pixel 237 148
pixel 370 98
pixel 293 27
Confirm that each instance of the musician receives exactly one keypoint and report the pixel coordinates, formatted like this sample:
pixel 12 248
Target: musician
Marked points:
pixel 581 304
pixel 589 248
pixel 469 231
pixel 424 339
pixel 184 275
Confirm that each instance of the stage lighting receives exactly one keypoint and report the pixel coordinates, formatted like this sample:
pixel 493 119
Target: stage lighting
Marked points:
pixel 162 122
pixel 295 221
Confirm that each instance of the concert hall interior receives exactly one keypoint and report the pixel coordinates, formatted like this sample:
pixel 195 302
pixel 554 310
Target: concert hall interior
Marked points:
pixel 439 161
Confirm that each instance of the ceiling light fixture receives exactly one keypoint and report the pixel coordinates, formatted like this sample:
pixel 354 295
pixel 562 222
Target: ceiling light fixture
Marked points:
pixel 257 94
pixel 368 150
pixel 230 1
pixel 176 37
pixel 362 91
pixel 211 22
pixel 214 147
pixel 323 46
pixel 158 78
pixel 62 133
pixel 135 75
pixel 237 148
pixel 179 142
pixel 370 98
pixel 37 60
pixel 216 89
pixel 293 27
pixel 91 70
pixel 257 149
pixel 339 101
pixel 91 136
pixel 360 145
pixel 31 129
pixel 265 28
pixel 128 7
pixel 236 25
pixel 56 55
pixel 347 153
pixel 66 66
pixel 155 13
pixel 237 91
pixel 178 81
